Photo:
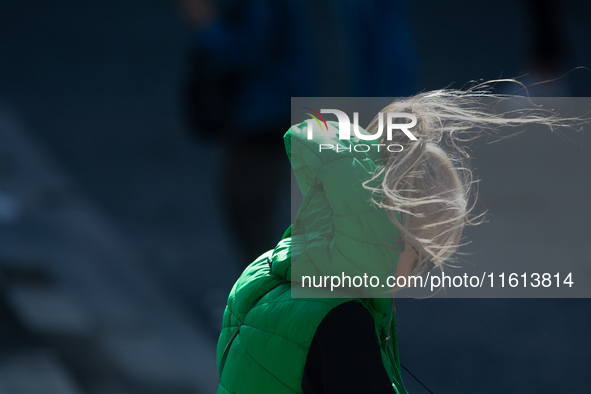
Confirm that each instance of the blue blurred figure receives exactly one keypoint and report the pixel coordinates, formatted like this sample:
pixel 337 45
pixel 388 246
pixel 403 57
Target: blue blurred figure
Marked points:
pixel 251 56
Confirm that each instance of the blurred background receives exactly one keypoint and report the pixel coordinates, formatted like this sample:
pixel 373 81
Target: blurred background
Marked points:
pixel 133 192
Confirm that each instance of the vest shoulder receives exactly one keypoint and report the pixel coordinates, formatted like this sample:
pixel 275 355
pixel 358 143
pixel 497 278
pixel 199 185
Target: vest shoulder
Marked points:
pixel 271 347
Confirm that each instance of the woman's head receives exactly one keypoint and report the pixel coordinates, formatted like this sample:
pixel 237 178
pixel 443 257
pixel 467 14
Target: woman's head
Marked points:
pixel 429 182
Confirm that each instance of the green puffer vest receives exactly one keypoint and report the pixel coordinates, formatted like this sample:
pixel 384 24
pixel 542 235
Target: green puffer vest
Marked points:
pixel 266 334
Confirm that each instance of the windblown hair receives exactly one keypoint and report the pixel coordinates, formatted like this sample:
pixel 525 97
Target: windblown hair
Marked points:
pixel 429 182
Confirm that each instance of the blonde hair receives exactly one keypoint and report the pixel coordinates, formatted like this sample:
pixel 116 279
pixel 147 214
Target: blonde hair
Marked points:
pixel 429 182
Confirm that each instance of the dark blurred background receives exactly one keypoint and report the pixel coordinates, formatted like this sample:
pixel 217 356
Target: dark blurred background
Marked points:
pixel 123 225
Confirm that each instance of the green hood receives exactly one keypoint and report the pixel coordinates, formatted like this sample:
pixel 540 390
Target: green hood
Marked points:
pixel 338 230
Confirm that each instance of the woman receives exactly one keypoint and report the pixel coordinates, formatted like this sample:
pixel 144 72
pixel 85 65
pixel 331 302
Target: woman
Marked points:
pixel 389 212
